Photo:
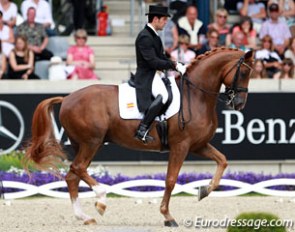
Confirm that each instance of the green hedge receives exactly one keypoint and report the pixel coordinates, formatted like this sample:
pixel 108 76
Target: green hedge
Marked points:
pixel 254 221
pixel 12 159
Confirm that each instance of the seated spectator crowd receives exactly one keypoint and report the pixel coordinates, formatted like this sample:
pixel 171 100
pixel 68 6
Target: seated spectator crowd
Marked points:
pixel 24 47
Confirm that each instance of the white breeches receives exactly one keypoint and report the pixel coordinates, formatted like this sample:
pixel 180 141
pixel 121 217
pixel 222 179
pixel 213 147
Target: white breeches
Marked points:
pixel 158 87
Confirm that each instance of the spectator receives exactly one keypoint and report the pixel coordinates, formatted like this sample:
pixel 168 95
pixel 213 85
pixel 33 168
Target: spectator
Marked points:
pixel 3 64
pixel 21 61
pixel 9 10
pixel 253 9
pixel 237 41
pixel 271 58
pixel 279 31
pixel 290 53
pixel 259 71
pixel 287 71
pixel 221 25
pixel 169 36
pixel 212 41
pixel 287 10
pixel 245 26
pixel 43 14
pixel 178 8
pixel 6 37
pixel 37 37
pixel 190 25
pixel 81 56
pixel 182 53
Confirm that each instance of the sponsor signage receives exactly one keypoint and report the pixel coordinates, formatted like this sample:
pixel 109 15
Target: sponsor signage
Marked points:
pixel 264 130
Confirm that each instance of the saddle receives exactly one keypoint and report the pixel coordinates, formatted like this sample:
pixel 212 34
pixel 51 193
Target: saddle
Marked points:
pixel 128 106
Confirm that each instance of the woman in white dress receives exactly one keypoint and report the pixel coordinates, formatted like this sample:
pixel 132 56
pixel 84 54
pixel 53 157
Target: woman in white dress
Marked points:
pixel 9 11
pixel 6 37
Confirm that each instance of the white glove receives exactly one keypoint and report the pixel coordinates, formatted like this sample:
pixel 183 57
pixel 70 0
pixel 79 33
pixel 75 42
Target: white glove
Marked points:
pixel 181 68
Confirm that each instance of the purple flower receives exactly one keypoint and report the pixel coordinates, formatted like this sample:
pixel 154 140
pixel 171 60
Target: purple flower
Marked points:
pixel 40 178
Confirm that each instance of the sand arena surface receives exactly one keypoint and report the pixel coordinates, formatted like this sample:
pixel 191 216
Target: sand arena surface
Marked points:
pixel 42 214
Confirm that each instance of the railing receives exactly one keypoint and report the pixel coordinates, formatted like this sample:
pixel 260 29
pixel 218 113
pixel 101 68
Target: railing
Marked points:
pixel 122 188
pixel 141 14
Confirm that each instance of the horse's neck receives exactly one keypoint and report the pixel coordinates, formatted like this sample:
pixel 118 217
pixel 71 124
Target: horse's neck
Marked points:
pixel 206 77
pixel 209 72
pixel 207 81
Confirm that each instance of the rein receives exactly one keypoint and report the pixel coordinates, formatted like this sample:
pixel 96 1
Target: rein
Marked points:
pixel 230 92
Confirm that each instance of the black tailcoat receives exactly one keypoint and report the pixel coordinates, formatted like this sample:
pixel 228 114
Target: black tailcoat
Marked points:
pixel 150 57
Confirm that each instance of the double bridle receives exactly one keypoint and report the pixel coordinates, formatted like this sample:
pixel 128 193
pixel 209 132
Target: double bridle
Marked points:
pixel 233 90
pixel 230 92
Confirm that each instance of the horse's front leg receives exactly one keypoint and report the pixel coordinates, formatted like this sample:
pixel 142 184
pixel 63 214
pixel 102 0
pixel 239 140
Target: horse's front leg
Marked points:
pixel 212 153
pixel 176 158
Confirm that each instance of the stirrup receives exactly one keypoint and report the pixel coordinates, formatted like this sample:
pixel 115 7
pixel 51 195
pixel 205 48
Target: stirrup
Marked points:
pixel 145 138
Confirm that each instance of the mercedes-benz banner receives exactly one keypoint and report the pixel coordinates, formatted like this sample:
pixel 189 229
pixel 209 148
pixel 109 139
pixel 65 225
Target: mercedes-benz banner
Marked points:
pixel 264 130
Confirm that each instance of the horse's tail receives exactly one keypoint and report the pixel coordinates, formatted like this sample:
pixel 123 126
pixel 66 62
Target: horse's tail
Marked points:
pixel 44 150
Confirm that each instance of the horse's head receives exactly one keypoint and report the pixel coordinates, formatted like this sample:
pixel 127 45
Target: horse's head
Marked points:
pixel 236 79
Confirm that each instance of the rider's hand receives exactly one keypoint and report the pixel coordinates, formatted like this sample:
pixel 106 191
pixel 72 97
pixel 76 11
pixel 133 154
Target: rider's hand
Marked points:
pixel 181 68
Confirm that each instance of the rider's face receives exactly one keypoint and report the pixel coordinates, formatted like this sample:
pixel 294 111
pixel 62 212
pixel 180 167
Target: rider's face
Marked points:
pixel 161 22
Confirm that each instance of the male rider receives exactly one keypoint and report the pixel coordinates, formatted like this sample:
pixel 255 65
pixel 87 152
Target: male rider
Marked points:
pixel 150 88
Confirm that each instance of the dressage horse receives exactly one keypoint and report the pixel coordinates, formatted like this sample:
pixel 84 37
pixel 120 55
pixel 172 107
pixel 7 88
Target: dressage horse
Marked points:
pixel 90 117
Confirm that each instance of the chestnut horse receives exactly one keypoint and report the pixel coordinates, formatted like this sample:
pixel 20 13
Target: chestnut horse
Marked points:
pixel 90 117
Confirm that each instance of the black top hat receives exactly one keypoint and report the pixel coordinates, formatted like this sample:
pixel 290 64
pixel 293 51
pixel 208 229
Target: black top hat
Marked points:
pixel 273 7
pixel 158 10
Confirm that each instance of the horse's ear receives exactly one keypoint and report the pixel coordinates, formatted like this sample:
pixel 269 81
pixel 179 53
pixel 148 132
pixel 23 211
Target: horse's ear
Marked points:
pixel 249 55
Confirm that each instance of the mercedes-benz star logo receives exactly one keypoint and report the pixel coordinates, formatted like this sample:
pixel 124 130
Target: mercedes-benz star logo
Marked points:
pixel 14 137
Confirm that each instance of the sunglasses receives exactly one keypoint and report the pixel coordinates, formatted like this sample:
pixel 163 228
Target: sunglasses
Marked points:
pixel 222 16
pixel 287 64
pixel 80 37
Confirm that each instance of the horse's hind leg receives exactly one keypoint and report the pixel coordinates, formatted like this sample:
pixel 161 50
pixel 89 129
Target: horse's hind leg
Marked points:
pixel 212 153
pixel 73 186
pixel 176 158
pixel 79 167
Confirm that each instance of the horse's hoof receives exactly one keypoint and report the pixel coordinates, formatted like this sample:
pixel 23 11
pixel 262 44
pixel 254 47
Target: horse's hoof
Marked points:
pixel 100 207
pixel 203 192
pixel 171 223
pixel 90 222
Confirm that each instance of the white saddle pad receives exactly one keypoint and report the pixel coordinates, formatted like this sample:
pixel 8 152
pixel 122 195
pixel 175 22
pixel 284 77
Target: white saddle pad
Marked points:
pixel 128 105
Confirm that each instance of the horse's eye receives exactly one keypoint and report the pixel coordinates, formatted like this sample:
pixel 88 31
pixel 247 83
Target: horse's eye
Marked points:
pixel 244 74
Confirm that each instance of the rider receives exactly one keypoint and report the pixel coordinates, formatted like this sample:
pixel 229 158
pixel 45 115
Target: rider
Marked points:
pixel 150 89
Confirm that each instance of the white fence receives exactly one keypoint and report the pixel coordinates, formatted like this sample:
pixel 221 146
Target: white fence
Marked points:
pixel 122 188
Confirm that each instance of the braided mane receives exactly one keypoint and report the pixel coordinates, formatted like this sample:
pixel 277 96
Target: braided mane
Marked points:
pixel 208 54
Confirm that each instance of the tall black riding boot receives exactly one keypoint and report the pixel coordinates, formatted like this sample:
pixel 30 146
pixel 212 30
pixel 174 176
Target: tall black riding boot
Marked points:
pixel 153 111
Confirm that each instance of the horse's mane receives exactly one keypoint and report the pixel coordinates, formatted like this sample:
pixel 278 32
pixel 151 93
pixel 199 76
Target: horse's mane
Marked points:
pixel 207 54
